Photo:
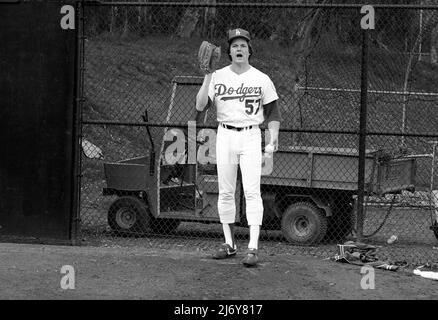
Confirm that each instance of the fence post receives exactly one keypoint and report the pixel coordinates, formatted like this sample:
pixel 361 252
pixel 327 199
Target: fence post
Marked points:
pixel 362 134
pixel 77 126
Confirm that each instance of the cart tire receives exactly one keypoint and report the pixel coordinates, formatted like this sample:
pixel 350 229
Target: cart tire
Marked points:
pixel 303 223
pixel 129 215
pixel 165 226
pixel 340 224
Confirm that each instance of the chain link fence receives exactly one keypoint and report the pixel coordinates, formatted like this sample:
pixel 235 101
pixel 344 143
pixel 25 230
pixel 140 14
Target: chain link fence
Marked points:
pixel 147 178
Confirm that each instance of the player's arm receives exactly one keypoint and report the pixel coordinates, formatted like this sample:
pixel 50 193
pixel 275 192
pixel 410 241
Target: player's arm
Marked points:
pixel 202 99
pixel 273 118
pixel 200 115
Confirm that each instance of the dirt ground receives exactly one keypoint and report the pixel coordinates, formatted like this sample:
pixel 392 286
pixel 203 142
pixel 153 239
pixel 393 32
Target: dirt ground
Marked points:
pixel 33 271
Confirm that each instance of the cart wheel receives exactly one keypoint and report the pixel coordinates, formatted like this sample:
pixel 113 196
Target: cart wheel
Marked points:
pixel 128 214
pixel 164 226
pixel 303 223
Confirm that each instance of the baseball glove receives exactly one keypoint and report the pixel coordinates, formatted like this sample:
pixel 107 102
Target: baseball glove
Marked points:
pixel 208 57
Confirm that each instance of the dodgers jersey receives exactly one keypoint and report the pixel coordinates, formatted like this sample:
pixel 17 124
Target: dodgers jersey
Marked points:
pixel 239 98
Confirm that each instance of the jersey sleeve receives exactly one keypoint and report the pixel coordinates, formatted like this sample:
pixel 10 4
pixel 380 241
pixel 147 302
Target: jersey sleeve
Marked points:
pixel 272 112
pixel 269 91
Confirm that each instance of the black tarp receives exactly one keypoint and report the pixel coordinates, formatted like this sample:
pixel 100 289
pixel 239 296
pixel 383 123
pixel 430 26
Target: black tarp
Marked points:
pixel 37 121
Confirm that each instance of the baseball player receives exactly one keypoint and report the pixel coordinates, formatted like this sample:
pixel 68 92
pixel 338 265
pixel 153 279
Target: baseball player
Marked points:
pixel 244 98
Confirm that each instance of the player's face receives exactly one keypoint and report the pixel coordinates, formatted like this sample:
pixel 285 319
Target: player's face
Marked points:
pixel 239 51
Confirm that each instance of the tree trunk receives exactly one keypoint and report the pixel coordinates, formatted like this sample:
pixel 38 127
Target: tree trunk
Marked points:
pixel 126 23
pixel 304 42
pixel 209 20
pixel 146 19
pixel 139 19
pixel 199 21
pixel 284 24
pixel 434 46
pixel 188 22
pixel 430 28
pixel 112 19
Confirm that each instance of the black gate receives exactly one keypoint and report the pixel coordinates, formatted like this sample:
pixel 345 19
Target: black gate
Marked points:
pixel 38 116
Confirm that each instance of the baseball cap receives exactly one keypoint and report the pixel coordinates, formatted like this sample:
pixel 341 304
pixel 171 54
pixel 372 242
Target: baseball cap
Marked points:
pixel 238 33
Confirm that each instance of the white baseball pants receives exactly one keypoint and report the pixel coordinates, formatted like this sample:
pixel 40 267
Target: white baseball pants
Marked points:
pixel 242 148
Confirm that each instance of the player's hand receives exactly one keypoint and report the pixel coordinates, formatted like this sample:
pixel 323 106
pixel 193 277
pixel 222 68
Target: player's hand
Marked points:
pixel 270 149
pixel 274 144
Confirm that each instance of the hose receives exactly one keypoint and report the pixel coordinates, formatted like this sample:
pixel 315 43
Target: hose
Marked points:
pixel 384 220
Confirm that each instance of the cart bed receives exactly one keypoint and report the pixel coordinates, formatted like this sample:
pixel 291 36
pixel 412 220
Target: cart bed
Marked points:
pixel 337 168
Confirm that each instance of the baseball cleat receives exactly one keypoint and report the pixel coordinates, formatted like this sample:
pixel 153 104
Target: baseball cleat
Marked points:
pixel 251 258
pixel 225 251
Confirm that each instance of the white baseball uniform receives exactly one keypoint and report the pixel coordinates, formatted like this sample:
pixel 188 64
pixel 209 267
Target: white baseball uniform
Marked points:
pixel 239 101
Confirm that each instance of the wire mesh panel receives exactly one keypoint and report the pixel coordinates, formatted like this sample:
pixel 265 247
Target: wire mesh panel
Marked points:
pixel 150 175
